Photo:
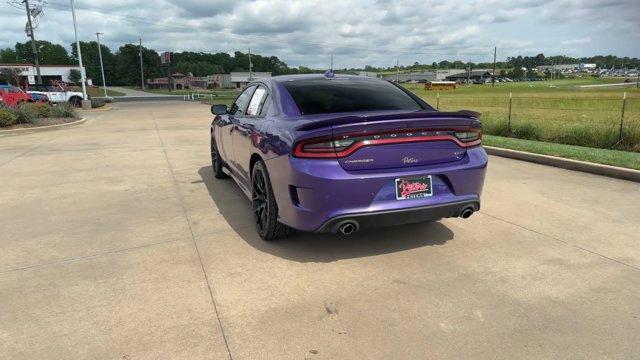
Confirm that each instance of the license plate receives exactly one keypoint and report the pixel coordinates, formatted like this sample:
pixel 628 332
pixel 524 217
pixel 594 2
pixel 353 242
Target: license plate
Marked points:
pixel 413 187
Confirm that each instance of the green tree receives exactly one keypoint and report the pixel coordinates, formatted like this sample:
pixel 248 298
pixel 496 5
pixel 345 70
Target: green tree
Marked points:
pixel 48 53
pixel 75 76
pixel 8 56
pixel 127 65
pixel 91 61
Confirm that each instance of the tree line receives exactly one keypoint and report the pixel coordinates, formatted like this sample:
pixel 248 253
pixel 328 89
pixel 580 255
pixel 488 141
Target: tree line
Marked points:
pixel 122 67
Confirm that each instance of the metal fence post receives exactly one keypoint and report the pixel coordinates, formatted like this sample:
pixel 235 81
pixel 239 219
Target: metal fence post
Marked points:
pixel 624 105
pixel 438 101
pixel 509 123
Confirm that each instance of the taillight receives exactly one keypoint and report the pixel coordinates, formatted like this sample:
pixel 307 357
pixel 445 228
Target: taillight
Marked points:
pixel 342 145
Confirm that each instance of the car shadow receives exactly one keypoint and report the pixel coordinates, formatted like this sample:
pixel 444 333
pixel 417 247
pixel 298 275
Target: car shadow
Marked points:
pixel 234 206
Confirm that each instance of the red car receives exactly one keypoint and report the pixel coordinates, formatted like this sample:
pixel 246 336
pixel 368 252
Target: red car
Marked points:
pixel 13 96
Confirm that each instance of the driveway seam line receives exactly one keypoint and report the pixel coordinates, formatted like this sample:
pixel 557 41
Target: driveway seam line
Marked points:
pixel 562 241
pixel 28 151
pixel 193 238
pixel 90 256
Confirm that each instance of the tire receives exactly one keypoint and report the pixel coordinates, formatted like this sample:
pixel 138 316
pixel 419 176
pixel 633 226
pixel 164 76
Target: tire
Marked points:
pixel 265 208
pixel 216 162
pixel 75 102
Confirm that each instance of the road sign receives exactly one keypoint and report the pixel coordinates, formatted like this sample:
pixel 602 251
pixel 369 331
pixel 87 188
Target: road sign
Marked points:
pixel 166 57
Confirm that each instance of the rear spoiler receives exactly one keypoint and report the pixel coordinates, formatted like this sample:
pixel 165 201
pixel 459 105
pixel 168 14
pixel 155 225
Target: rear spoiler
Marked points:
pixel 412 115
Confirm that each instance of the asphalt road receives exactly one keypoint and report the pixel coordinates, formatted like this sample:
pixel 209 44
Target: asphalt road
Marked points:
pixel 117 243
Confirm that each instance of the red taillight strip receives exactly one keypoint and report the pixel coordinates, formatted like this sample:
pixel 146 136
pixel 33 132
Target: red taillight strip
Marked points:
pixel 365 143
pixel 298 150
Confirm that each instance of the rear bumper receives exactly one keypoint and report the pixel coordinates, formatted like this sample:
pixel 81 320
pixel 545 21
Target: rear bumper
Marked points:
pixel 400 216
pixel 312 193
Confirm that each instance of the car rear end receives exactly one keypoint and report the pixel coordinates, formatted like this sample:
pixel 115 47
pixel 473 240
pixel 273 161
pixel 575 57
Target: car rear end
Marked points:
pixel 392 166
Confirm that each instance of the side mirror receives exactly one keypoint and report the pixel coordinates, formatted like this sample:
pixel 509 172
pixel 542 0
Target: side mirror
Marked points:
pixel 219 109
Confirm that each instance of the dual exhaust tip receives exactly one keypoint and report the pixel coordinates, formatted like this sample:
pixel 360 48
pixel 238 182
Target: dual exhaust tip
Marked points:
pixel 349 227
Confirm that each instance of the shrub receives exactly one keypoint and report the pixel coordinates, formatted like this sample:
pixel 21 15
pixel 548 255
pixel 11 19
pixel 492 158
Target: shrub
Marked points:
pixel 26 113
pixel 44 109
pixel 596 136
pixel 526 130
pixel 7 118
pixel 97 103
pixel 63 110
pixel 496 127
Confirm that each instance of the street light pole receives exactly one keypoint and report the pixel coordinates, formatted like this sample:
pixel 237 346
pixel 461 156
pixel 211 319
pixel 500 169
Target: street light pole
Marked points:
pixel 142 68
pixel 104 79
pixel 75 31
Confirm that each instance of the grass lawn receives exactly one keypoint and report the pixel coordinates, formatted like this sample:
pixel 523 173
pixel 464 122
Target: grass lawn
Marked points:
pixel 601 156
pixel 99 92
pixel 555 111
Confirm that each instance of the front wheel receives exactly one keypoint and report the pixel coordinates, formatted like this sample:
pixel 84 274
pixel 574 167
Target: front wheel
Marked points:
pixel 216 162
pixel 265 209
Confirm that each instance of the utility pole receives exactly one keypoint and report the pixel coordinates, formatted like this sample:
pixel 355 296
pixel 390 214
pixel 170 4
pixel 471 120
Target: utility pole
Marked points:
pixel 468 73
pixel 493 78
pixel 397 70
pixel 82 74
pixel 250 66
pixel 104 79
pixel 331 68
pixel 36 58
pixel 141 67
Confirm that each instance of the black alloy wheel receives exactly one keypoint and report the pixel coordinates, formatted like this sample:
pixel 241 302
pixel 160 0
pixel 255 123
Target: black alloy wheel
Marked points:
pixel 216 162
pixel 265 209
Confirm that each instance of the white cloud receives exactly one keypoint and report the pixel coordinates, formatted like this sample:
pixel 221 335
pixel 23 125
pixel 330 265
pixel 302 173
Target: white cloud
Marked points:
pixel 580 41
pixel 357 32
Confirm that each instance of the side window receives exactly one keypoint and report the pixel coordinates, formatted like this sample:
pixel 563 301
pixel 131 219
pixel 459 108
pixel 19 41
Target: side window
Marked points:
pixel 238 108
pixel 266 104
pixel 256 101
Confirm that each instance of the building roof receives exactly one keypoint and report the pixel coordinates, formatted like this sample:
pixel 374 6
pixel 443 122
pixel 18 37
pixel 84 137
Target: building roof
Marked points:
pixel 473 73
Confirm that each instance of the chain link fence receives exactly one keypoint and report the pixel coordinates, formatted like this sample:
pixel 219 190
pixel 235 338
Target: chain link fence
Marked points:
pixel 602 122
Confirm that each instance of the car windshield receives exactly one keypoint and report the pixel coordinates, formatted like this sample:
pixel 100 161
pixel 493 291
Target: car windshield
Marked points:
pixel 321 96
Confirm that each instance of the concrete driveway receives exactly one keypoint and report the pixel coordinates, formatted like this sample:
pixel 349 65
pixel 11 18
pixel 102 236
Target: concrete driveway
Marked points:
pixel 117 243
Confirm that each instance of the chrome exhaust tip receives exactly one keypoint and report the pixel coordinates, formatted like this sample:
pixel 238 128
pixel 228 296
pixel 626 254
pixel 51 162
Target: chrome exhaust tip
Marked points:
pixel 348 227
pixel 466 213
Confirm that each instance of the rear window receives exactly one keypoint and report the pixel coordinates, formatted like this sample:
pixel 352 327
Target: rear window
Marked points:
pixel 321 96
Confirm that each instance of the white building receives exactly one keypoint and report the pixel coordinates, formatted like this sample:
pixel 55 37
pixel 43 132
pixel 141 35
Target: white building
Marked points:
pixel 49 73
pixel 241 79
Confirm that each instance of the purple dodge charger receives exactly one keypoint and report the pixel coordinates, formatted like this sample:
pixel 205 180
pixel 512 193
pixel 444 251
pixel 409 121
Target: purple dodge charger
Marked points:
pixel 334 153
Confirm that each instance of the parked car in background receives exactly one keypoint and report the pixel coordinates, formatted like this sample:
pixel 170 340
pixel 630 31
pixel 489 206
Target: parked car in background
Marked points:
pixel 58 93
pixel 13 96
pixel 334 153
pixel 40 97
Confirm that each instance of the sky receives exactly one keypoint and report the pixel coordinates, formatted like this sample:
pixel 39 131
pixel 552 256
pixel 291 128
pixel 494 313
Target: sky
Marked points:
pixel 357 33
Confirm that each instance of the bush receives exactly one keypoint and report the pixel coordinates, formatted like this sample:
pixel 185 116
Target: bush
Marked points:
pixel 97 103
pixel 526 130
pixel 7 118
pixel 44 109
pixel 496 127
pixel 26 113
pixel 63 110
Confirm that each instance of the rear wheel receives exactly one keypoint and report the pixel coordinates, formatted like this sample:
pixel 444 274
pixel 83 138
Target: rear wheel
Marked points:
pixel 216 162
pixel 75 101
pixel 265 209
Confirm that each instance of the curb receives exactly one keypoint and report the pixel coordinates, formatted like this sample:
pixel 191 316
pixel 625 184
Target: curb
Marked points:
pixel 41 128
pixel 104 108
pixel 120 99
pixel 569 164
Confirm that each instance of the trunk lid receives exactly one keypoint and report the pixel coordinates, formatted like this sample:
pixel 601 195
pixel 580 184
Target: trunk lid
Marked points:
pixel 404 140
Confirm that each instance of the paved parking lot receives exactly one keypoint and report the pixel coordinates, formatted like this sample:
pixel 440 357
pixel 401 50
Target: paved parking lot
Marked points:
pixel 117 243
